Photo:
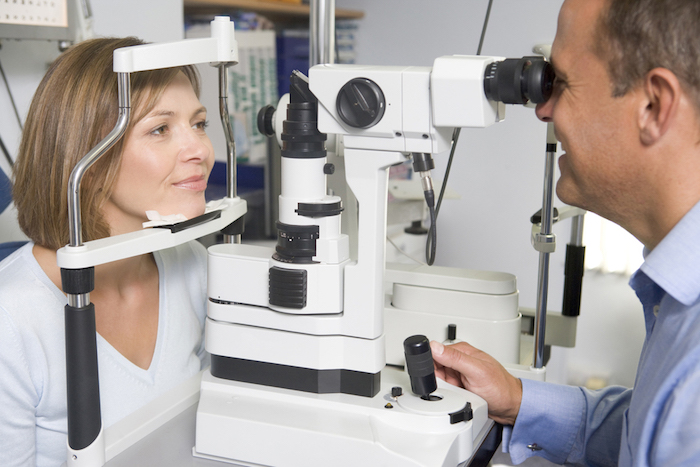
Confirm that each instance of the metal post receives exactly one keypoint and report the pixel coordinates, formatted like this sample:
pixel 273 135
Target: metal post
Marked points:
pixel 577 230
pixel 85 439
pixel 322 32
pixel 231 169
pixel 76 176
pixel 545 238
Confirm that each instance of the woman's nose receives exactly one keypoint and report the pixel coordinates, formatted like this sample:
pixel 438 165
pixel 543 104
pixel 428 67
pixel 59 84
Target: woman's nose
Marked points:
pixel 196 147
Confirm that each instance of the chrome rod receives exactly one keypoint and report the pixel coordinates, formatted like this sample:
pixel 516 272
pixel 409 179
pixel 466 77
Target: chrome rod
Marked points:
pixel 78 300
pixel 322 32
pixel 577 230
pixel 231 182
pixel 76 176
pixel 231 168
pixel 545 231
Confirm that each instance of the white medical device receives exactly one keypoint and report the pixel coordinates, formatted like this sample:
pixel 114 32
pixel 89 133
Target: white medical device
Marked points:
pixel 297 333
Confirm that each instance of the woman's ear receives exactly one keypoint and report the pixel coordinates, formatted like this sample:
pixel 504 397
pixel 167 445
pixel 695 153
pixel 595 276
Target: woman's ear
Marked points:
pixel 662 94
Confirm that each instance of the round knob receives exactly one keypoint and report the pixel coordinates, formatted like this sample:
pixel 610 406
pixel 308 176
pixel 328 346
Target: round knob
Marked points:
pixel 266 116
pixel 361 103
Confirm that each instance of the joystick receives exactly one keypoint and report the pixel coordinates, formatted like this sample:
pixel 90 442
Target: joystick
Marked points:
pixel 419 364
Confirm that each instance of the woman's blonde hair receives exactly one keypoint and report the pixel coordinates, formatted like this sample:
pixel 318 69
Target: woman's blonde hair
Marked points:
pixel 73 109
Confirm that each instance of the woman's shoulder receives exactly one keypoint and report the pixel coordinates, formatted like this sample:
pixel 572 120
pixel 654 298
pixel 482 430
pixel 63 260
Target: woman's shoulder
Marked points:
pixel 31 311
pixel 20 272
pixel 25 290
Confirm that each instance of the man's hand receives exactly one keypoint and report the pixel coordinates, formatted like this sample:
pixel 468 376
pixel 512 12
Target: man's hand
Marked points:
pixel 465 366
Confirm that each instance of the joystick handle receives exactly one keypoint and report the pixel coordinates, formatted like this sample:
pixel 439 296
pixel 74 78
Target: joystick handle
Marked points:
pixel 419 364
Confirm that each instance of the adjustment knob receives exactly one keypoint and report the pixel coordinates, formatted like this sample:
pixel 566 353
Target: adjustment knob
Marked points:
pixel 266 116
pixel 361 103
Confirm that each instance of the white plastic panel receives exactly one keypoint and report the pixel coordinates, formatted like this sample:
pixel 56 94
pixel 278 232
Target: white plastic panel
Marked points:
pixel 239 273
pixel 253 425
pixel 457 88
pixel 501 339
pixel 440 277
pixel 294 349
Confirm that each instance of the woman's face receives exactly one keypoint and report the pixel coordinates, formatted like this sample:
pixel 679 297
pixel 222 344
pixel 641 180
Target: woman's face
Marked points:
pixel 166 162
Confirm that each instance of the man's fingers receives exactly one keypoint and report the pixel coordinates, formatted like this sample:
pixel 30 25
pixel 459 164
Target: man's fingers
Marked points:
pixel 450 357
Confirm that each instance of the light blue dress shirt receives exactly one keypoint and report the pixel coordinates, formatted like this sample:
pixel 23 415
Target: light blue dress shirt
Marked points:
pixel 658 422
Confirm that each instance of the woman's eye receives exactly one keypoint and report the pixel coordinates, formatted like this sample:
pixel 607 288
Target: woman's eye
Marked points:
pixel 160 130
pixel 202 125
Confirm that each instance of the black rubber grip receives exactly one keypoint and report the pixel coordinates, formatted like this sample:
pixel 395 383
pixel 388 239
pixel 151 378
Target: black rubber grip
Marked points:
pixel 83 390
pixel 78 281
pixel 419 364
pixel 573 279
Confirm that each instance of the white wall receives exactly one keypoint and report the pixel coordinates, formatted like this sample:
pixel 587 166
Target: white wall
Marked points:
pixel 499 171
pixel 25 63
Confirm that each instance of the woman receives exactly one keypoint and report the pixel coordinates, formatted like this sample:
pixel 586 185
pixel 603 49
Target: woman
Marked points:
pixel 149 309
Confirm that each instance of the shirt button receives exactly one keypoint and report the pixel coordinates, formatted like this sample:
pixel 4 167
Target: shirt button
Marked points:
pixel 656 310
pixel 534 447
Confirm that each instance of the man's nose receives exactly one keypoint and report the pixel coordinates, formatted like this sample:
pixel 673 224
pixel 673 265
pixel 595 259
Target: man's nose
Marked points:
pixel 544 110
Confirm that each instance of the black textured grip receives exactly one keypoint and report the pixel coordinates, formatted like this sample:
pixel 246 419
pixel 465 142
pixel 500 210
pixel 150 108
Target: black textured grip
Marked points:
pixel 573 279
pixel 419 364
pixel 83 390
pixel 78 281
pixel 287 287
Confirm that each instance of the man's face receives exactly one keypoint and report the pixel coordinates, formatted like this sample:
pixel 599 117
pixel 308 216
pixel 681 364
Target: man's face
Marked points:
pixel 597 170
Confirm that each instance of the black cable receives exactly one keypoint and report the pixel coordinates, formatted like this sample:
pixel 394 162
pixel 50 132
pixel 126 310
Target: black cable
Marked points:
pixel 6 153
pixel 483 28
pixel 431 241
pixel 12 99
pixel 431 244
pixel 455 138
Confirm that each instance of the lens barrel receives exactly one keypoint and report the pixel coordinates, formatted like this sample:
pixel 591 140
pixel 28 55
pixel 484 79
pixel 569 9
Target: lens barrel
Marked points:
pixel 519 80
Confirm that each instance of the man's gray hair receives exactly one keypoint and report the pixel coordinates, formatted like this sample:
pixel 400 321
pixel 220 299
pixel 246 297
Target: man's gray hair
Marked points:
pixel 636 36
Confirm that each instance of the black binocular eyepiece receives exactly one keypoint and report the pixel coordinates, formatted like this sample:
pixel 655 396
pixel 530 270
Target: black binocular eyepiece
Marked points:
pixel 519 80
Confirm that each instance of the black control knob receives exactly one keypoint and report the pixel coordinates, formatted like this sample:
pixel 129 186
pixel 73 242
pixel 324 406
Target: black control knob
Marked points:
pixel 266 116
pixel 361 103
pixel 419 364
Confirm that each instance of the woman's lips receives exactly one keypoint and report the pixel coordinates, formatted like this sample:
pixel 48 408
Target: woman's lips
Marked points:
pixel 198 183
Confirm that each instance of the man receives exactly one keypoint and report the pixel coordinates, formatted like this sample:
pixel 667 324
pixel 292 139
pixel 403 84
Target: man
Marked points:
pixel 626 109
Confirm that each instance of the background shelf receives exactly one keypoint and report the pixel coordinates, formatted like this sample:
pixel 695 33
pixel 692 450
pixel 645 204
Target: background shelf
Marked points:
pixel 273 10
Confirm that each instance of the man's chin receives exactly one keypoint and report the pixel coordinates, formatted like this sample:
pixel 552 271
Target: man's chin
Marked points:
pixel 566 193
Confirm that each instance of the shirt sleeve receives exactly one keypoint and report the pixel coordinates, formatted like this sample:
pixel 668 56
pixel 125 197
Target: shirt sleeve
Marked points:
pixel 18 399
pixel 566 424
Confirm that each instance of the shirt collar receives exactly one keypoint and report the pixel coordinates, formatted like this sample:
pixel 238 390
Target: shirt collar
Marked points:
pixel 673 264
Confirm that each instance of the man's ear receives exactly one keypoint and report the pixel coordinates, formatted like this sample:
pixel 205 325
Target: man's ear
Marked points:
pixel 662 94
